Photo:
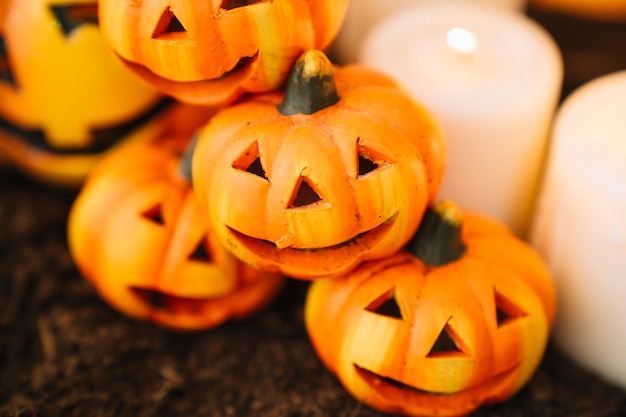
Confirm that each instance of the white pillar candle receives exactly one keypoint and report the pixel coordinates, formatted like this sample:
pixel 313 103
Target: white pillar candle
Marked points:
pixel 363 14
pixel 580 224
pixel 495 100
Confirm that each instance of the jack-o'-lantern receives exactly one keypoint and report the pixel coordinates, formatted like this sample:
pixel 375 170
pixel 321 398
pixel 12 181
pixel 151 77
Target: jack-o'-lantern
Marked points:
pixel 137 235
pixel 309 182
pixel 608 10
pixel 64 97
pixel 210 52
pixel 459 319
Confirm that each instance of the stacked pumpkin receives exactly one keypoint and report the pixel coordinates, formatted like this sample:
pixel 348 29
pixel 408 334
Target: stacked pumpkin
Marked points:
pixel 329 176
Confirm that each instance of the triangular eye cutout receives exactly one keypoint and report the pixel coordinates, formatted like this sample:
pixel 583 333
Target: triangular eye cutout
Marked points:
pixel 72 16
pixel 304 194
pixel 6 75
pixel 169 24
pixel 506 310
pixel 445 343
pixel 250 161
pixel 386 305
pixel 154 214
pixel 233 4
pixel 366 166
pixel 369 160
pixel 201 252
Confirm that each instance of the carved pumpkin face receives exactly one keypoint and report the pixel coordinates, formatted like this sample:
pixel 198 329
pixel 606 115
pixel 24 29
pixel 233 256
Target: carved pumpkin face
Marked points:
pixel 64 97
pixel 210 52
pixel 313 194
pixel 137 234
pixel 407 337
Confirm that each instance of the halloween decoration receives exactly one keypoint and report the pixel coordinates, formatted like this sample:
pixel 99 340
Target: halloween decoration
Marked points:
pixel 607 10
pixel 64 97
pixel 459 319
pixel 136 234
pixel 336 170
pixel 210 52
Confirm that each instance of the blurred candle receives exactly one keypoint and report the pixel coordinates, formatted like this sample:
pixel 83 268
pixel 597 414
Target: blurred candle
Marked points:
pixel 580 224
pixel 494 98
pixel 363 14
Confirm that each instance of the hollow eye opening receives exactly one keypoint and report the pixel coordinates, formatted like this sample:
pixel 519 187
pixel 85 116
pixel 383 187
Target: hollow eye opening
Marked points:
pixel 234 4
pixel 366 166
pixel 250 162
pixel 154 214
pixel 369 160
pixel 506 310
pixel 386 305
pixel 72 16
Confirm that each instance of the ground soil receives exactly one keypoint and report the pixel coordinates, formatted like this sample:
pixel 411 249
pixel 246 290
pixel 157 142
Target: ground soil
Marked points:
pixel 64 352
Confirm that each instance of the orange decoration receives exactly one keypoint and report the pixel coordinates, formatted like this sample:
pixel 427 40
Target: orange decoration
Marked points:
pixel 212 51
pixel 336 170
pixel 459 319
pixel 607 10
pixel 64 97
pixel 136 233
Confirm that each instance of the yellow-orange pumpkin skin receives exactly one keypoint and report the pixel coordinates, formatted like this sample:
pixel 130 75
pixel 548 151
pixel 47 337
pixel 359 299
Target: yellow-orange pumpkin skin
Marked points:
pixel 64 97
pixel 406 337
pixel 137 235
pixel 212 51
pixel 312 195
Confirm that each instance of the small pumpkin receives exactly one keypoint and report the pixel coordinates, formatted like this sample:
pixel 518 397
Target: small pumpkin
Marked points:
pixel 211 52
pixel 137 235
pixel 64 97
pixel 337 169
pixel 606 10
pixel 458 319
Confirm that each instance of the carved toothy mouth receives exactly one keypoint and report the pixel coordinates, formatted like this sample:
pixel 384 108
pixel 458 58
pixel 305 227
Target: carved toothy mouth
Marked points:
pixel 398 390
pixel 320 261
pixel 219 90
pixel 241 67
pixel 159 300
pixel 365 239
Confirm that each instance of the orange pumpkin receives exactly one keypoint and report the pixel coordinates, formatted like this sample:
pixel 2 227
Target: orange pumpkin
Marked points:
pixel 309 182
pixel 136 233
pixel 64 97
pixel 212 51
pixel 459 319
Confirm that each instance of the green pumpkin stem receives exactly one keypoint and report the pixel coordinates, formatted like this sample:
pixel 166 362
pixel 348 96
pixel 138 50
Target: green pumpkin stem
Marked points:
pixel 438 239
pixel 310 86
pixel 184 166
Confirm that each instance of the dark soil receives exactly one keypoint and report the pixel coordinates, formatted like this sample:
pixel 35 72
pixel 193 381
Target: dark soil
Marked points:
pixel 64 352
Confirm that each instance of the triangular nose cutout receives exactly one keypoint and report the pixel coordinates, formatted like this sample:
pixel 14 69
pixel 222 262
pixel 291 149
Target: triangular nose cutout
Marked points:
pixel 304 194
pixel 168 24
pixel 444 344
pixel 200 253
